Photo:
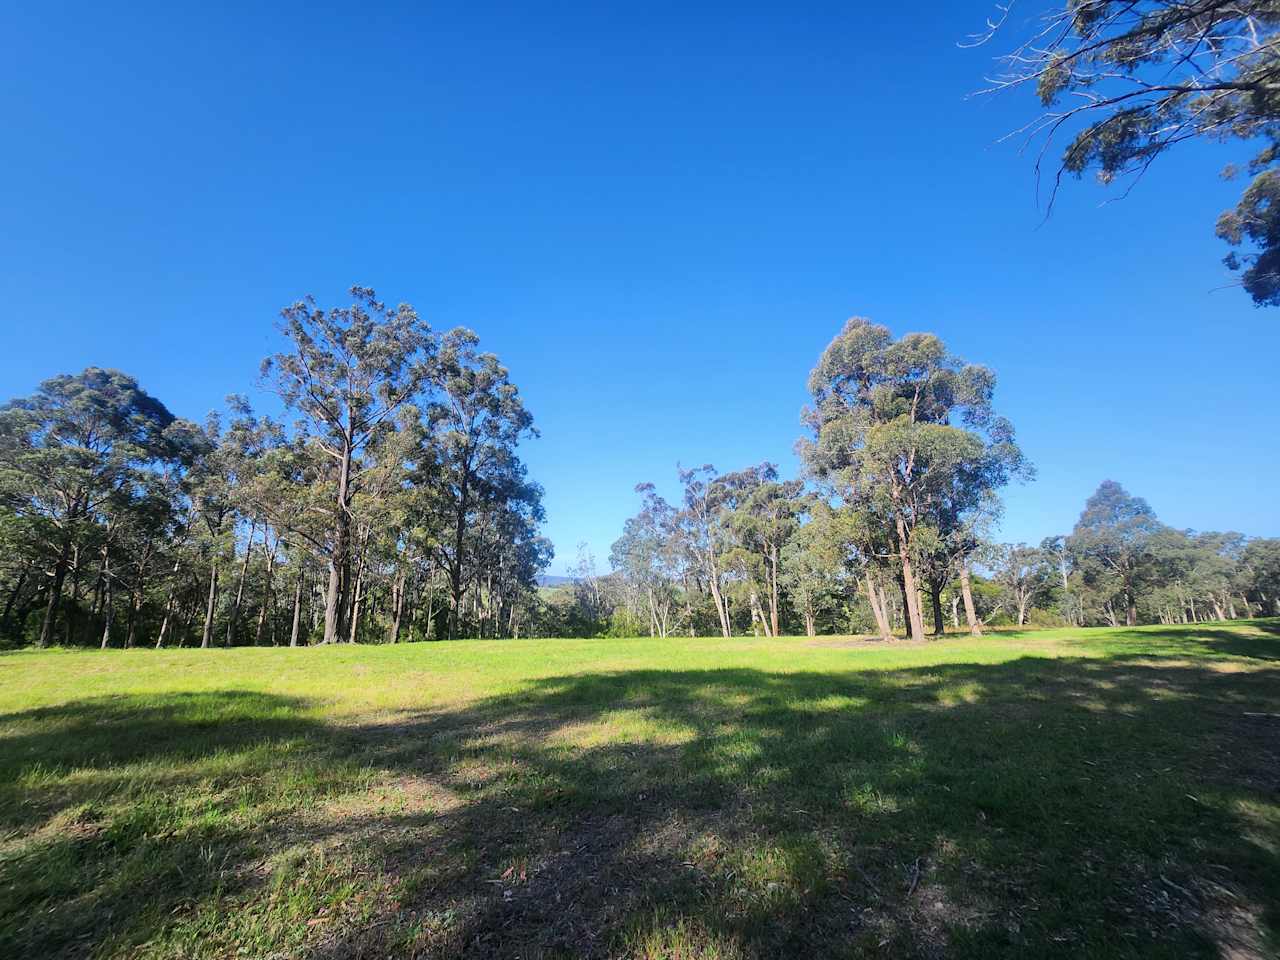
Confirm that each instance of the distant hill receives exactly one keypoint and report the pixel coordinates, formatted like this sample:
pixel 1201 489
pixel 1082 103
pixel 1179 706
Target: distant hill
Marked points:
pixel 553 580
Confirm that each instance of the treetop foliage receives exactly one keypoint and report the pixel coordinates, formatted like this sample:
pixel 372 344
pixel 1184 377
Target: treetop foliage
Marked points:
pixel 1127 81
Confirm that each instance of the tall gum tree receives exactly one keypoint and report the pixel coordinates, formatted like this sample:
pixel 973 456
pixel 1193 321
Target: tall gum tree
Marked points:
pixel 475 421
pixel 348 371
pixel 897 426
pixel 760 514
pixel 1114 542
pixel 700 528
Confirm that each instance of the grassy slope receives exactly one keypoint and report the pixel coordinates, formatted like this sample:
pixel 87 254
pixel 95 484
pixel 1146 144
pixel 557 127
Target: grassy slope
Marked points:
pixel 1099 792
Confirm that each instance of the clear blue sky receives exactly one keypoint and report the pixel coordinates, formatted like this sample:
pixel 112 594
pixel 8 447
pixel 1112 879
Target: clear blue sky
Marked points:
pixel 657 215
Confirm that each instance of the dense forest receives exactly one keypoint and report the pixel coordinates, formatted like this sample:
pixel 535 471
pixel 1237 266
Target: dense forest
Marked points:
pixel 388 503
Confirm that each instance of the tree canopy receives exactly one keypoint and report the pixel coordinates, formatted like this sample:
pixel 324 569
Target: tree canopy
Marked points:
pixel 1125 82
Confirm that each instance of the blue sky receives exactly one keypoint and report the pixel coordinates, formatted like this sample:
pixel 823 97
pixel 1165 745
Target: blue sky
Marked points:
pixel 657 215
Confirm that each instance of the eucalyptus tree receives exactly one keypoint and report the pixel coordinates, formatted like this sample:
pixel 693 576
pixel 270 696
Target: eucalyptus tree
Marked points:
pixel 898 427
pixel 1113 542
pixel 348 371
pixel 647 555
pixel 1024 576
pixel 68 450
pixel 759 514
pixel 291 487
pixel 1260 573
pixel 510 554
pixel 1213 568
pixel 817 565
pixel 475 419
pixel 178 554
pixel 379 510
pixel 1060 559
pixel 586 584
pixel 1127 80
pixel 229 455
pixel 699 531
pixel 143 523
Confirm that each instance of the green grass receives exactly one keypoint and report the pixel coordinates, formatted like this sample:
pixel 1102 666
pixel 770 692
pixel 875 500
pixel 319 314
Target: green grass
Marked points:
pixel 1059 793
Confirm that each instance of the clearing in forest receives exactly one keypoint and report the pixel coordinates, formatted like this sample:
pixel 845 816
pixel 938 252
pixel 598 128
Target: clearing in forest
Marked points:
pixel 1059 793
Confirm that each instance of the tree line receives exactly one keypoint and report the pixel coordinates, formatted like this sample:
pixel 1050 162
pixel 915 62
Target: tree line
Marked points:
pixel 387 501
pixel 889 528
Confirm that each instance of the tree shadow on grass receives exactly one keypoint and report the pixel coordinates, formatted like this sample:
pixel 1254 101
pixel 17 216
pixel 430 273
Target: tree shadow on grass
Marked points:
pixel 115 811
pixel 1049 806
pixel 1032 808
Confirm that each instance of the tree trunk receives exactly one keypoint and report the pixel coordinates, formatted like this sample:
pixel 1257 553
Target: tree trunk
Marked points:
pixel 877 609
pixel 136 595
pixel 966 593
pixel 773 588
pixel 13 598
pixel 74 612
pixel 55 594
pixel 96 612
pixel 459 541
pixel 234 620
pixel 721 610
pixel 164 623
pixel 935 595
pixel 268 590
pixel 431 607
pixel 910 592
pixel 885 608
pixel 397 608
pixel 334 598
pixel 169 604
pixel 107 607
pixel 135 607
pixel 356 599
pixel 757 615
pixel 188 617
pixel 210 605
pixel 297 608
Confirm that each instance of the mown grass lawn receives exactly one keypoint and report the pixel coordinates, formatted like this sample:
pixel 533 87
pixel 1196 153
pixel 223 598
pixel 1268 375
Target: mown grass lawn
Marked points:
pixel 1061 793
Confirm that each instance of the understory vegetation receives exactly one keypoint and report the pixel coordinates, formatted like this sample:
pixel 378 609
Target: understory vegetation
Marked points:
pixel 1109 792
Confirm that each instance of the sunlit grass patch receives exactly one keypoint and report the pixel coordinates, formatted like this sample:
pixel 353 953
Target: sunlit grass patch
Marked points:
pixel 668 937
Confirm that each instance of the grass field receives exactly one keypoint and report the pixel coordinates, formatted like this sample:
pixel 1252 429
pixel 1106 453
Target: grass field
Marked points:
pixel 1060 793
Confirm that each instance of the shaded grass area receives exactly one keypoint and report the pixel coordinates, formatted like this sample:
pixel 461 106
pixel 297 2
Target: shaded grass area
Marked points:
pixel 1099 793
